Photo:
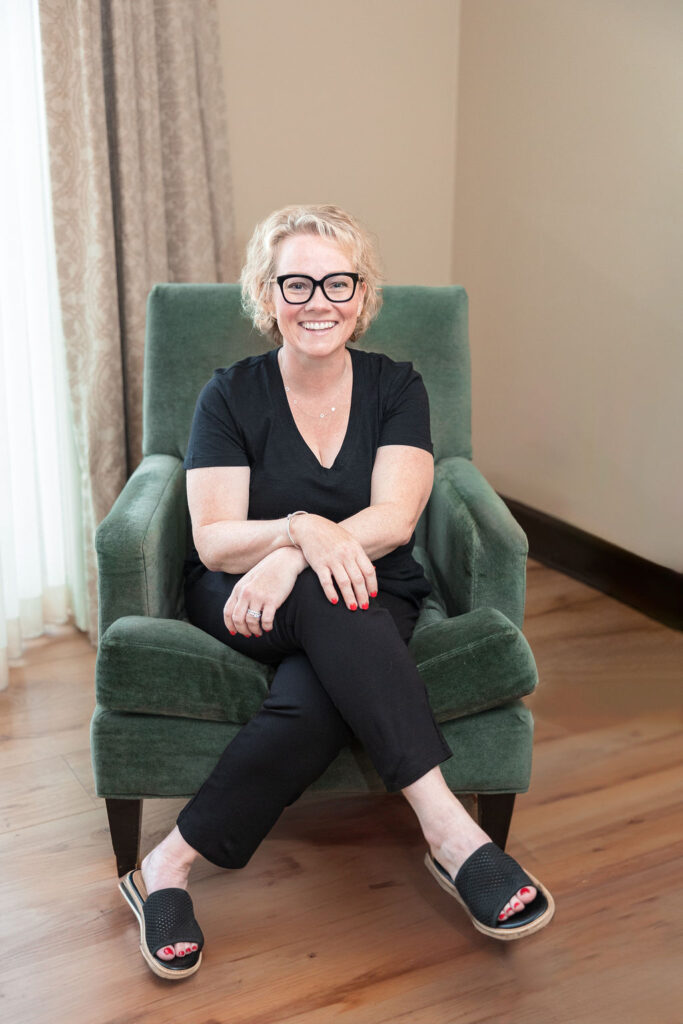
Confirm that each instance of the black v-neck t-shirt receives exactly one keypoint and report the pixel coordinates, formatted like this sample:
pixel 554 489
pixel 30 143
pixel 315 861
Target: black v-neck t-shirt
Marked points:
pixel 243 418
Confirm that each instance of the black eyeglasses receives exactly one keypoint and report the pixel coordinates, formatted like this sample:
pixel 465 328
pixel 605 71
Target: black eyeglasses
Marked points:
pixel 298 288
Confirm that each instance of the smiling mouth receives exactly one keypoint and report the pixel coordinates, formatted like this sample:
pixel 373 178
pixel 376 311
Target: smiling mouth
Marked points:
pixel 318 325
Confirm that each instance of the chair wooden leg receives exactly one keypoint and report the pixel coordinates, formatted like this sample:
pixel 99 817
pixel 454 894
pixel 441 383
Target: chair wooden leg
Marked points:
pixel 125 826
pixel 494 811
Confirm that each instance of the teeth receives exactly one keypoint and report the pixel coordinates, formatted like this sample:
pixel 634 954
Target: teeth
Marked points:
pixel 317 325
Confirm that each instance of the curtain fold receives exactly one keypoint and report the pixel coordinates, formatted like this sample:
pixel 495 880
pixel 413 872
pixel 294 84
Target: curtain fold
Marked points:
pixel 141 194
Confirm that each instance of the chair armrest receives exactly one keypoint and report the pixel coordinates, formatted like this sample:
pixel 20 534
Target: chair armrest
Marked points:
pixel 477 549
pixel 141 544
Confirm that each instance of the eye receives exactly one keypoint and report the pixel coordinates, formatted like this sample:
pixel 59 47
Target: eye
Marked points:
pixel 297 284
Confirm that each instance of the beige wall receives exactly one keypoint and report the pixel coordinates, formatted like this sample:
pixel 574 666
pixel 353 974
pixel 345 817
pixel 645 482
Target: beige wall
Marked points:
pixel 568 237
pixel 351 103
pixel 560 212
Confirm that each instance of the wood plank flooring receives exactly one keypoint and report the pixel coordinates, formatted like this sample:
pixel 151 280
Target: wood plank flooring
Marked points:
pixel 335 919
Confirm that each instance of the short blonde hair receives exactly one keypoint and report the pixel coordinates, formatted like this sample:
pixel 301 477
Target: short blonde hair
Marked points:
pixel 322 219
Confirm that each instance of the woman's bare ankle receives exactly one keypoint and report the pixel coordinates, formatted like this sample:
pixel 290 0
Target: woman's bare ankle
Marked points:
pixel 450 831
pixel 168 865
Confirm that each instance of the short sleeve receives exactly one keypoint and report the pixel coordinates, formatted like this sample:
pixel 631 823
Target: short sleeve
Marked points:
pixel 215 437
pixel 405 417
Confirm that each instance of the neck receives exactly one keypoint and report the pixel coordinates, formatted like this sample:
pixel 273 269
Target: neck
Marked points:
pixel 313 376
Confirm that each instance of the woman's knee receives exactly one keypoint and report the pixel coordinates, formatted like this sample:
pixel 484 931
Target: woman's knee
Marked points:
pixel 308 596
pixel 308 589
pixel 297 694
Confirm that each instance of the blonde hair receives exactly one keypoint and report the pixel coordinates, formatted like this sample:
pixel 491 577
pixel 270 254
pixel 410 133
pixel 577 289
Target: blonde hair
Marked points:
pixel 322 219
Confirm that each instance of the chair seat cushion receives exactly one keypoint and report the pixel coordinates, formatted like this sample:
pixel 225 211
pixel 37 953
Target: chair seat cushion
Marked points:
pixel 168 667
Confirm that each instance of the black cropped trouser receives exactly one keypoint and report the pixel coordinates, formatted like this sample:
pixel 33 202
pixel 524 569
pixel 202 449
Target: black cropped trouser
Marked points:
pixel 339 674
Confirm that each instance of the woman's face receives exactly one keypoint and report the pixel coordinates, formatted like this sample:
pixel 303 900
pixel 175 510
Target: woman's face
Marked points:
pixel 300 324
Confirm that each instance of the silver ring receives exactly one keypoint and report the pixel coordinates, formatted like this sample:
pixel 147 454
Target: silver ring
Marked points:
pixel 251 611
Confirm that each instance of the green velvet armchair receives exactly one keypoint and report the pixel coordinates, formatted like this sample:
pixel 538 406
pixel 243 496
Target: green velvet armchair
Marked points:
pixel 170 697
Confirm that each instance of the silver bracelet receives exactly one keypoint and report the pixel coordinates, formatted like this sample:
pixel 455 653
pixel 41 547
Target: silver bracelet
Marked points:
pixel 301 512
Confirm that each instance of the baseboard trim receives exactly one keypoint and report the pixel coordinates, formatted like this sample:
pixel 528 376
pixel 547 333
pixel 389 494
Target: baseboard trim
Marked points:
pixel 650 588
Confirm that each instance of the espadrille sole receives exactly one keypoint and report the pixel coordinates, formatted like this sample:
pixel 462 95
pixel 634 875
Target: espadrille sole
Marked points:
pixel 503 934
pixel 133 890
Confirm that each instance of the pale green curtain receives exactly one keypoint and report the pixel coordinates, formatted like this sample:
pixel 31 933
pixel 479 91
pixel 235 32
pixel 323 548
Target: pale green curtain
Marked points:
pixel 141 194
pixel 42 578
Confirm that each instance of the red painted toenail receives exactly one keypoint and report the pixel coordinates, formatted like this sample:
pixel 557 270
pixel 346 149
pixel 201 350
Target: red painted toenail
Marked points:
pixel 181 953
pixel 501 917
pixel 168 951
pixel 525 891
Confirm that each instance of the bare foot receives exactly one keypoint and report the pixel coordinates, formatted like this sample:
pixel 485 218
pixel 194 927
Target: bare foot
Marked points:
pixel 458 844
pixel 451 833
pixel 167 866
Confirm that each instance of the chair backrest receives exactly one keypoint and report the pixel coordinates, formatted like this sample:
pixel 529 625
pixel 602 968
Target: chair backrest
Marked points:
pixel 194 328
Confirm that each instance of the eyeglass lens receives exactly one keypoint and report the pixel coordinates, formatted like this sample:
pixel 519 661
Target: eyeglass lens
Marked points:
pixel 339 288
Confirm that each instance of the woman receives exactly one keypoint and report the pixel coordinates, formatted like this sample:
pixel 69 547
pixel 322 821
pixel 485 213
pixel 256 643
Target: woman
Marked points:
pixel 307 470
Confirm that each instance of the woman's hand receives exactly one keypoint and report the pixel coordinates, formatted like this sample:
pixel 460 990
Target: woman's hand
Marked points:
pixel 263 589
pixel 336 556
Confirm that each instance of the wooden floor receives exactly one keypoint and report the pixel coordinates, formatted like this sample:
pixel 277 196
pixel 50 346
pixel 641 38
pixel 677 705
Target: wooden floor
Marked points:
pixel 336 918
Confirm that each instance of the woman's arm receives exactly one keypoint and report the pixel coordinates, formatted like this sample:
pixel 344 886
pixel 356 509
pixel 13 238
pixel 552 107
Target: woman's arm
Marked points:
pixel 226 541
pixel 401 484
pixel 402 480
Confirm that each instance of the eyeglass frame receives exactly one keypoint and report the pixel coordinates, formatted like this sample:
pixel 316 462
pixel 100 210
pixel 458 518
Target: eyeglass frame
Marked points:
pixel 337 273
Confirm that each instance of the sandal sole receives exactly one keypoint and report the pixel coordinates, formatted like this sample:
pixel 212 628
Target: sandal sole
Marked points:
pixel 502 934
pixel 134 893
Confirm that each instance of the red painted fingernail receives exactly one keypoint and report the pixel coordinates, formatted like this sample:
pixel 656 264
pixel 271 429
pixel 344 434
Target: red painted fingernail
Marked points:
pixel 373 593
pixel 334 600
pixel 353 607
pixel 168 951
pixel 525 890
pixel 364 606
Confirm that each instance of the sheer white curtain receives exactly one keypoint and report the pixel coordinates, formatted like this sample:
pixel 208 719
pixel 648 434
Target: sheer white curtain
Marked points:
pixel 41 561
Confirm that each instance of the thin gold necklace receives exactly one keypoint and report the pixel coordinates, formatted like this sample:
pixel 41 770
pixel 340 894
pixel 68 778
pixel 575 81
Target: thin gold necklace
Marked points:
pixel 295 401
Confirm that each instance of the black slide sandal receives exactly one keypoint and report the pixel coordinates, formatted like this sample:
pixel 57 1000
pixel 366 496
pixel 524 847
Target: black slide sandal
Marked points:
pixel 165 917
pixel 487 880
